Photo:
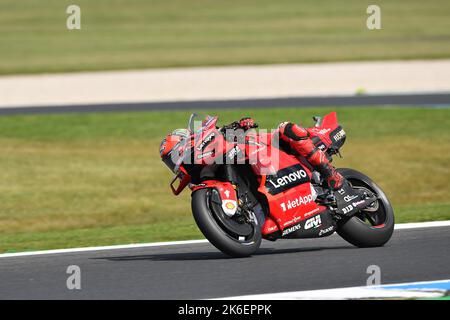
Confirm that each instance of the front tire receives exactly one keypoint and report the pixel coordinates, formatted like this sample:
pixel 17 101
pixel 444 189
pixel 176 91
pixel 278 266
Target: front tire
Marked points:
pixel 371 228
pixel 209 224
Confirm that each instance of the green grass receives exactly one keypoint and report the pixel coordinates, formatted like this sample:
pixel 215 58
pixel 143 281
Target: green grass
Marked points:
pixel 96 179
pixel 126 34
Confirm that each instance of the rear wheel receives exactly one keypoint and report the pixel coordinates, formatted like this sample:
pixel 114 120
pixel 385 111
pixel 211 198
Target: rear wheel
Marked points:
pixel 373 226
pixel 236 239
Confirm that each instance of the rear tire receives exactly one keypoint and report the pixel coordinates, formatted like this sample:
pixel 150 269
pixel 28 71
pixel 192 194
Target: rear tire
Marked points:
pixel 208 225
pixel 355 230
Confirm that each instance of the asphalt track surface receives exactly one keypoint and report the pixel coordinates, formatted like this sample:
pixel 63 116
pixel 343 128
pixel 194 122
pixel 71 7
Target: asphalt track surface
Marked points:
pixel 197 271
pixel 432 100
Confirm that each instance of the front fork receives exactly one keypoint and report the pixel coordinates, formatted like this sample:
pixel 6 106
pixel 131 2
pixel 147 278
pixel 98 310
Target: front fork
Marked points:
pixel 249 206
pixel 237 200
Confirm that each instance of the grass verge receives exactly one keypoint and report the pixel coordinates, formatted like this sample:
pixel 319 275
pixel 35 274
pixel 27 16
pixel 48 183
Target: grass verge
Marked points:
pixel 137 34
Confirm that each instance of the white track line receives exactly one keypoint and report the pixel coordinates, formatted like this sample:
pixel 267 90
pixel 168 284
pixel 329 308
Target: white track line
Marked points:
pixel 369 292
pixel 174 243
pixel 87 249
pixel 417 225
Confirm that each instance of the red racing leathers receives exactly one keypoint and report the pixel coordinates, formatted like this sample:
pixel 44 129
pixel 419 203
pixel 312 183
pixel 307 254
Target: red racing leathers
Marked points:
pixel 299 140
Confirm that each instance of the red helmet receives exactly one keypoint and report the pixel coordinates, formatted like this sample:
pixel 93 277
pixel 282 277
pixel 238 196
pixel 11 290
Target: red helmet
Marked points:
pixel 171 142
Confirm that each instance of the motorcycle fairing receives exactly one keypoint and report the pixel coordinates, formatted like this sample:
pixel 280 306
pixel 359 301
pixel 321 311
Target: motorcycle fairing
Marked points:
pixel 328 135
pixel 184 179
pixel 286 178
pixel 210 146
pixel 350 201
pixel 227 193
pixel 289 194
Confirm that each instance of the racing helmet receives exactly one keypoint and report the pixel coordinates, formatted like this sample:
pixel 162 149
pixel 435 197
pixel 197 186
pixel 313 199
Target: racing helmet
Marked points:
pixel 172 142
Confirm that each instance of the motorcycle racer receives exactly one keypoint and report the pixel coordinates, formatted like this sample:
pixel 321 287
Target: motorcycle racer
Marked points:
pixel 300 143
pixel 238 200
pixel 297 138
pixel 172 141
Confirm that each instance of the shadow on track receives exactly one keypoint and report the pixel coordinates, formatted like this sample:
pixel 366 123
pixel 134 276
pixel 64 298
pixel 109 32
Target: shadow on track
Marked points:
pixel 216 255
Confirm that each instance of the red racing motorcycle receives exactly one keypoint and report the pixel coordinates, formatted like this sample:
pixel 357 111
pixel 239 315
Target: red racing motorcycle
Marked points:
pixel 247 186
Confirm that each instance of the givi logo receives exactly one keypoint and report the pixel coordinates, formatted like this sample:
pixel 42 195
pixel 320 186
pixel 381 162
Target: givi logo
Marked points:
pixel 314 222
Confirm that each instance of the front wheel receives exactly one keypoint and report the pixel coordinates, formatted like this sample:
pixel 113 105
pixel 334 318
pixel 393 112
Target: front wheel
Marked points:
pixel 229 236
pixel 373 226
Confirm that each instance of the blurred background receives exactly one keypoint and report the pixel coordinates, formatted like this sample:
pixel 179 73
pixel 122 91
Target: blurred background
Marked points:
pixel 134 34
pixel 82 112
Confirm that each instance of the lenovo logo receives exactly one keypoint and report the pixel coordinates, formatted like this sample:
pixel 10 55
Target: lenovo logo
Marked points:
pixel 289 178
pixel 286 178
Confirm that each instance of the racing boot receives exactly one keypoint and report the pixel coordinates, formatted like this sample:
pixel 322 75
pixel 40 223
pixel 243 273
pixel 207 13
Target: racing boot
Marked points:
pixel 299 140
